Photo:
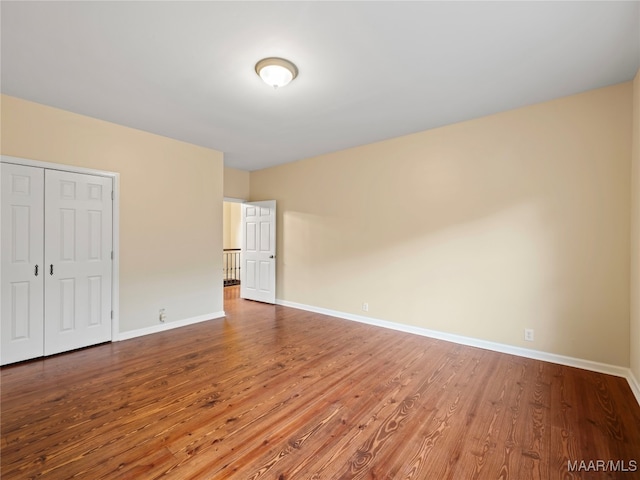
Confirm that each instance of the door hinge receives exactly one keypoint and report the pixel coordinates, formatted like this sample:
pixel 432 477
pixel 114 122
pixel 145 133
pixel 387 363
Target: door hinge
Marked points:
pixel 111 254
pixel 111 314
pixel 112 197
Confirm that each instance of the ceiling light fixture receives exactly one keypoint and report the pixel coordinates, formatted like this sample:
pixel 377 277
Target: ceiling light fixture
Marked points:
pixel 276 72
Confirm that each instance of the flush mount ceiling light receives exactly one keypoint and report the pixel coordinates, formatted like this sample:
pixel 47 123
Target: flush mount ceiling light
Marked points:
pixel 276 72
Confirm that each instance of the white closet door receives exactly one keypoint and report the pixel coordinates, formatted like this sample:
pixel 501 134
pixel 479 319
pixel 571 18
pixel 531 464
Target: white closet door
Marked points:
pixel 22 269
pixel 78 212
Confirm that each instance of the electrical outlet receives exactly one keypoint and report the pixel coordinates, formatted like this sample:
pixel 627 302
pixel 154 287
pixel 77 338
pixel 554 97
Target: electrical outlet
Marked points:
pixel 365 307
pixel 163 315
pixel 528 334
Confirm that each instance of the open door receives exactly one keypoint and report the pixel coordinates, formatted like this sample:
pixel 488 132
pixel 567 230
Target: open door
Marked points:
pixel 258 256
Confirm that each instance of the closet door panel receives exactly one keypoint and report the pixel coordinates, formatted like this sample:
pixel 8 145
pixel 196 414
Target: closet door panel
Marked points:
pixel 78 216
pixel 22 269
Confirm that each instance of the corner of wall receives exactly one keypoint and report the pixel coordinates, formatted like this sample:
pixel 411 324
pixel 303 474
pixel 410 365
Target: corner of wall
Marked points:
pixel 635 235
pixel 236 183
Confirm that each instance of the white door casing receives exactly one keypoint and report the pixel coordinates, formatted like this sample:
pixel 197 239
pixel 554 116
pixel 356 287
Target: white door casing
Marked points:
pixel 22 269
pixel 78 250
pixel 258 255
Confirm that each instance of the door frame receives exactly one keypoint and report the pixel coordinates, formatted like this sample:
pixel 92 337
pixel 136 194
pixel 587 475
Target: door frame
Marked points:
pixel 115 233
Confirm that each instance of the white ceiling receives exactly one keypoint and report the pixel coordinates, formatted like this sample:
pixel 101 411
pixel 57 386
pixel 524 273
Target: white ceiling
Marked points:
pixel 368 70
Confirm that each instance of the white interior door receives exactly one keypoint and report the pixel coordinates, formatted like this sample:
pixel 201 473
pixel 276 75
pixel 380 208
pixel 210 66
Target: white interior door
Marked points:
pixel 78 225
pixel 22 269
pixel 258 255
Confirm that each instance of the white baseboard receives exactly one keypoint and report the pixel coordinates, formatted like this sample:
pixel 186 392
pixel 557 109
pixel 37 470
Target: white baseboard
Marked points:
pixel 485 344
pixel 163 327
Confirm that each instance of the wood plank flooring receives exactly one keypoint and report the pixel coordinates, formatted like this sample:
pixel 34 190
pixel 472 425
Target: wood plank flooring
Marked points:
pixel 276 393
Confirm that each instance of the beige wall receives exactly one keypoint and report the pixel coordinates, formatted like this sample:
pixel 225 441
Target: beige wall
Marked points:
pixel 635 233
pixel 231 225
pixel 482 228
pixel 236 183
pixel 170 206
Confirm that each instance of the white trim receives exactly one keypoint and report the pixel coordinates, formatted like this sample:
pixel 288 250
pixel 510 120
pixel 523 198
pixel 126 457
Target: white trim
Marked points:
pixel 634 384
pixel 234 200
pixel 56 166
pixel 163 327
pixel 115 281
pixel 478 343
pixel 115 245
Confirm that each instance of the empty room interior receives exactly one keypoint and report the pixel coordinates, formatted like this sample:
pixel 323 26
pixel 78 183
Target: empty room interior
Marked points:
pixel 320 240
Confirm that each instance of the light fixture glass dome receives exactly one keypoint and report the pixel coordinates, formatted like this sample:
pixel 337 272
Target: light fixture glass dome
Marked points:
pixel 276 72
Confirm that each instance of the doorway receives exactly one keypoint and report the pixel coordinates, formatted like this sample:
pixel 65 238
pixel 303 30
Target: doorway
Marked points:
pixel 249 249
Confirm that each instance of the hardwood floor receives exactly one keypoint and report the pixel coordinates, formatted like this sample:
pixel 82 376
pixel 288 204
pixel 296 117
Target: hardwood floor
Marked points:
pixel 276 393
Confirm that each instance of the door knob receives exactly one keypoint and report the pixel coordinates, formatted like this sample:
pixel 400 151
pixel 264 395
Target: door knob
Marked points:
pixel 272 256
